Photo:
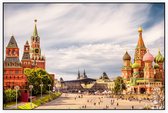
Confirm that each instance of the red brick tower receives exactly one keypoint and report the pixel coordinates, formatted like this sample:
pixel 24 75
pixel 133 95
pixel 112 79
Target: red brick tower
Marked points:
pixel 37 59
pixel 148 69
pixel 139 52
pixel 159 60
pixel 26 61
pixel 126 69
pixel 13 72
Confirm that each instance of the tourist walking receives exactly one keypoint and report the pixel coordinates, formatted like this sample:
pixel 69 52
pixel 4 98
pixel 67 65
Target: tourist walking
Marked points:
pixel 132 107
pixel 117 104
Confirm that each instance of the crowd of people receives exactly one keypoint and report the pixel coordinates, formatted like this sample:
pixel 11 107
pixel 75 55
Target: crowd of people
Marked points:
pixel 100 101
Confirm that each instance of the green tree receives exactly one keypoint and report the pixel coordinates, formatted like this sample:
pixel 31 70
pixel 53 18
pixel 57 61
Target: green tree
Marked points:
pixel 119 85
pixel 36 77
pixel 10 95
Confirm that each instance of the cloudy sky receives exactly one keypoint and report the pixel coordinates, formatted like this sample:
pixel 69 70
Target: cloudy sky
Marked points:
pixel 93 37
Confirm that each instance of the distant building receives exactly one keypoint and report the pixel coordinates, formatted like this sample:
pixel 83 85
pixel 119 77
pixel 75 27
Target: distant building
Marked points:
pixel 104 83
pixel 142 76
pixel 83 83
pixel 52 79
pixel 78 84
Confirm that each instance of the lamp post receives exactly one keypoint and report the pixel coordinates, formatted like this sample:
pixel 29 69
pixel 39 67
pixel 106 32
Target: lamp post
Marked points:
pixel 16 88
pixel 49 85
pixel 41 85
pixel 31 87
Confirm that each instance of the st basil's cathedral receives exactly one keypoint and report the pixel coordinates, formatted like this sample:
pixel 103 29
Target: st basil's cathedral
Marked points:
pixel 143 76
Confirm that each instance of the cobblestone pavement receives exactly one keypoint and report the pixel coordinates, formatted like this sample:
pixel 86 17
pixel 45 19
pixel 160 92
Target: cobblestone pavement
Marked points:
pixel 73 101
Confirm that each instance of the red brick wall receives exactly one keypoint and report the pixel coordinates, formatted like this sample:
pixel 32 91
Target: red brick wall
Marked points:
pixel 14 77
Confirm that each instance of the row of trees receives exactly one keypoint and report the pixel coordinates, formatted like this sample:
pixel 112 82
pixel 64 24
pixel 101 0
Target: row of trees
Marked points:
pixel 36 77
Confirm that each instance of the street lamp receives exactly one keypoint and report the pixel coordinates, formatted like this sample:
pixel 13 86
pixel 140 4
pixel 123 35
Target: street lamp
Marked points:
pixel 31 87
pixel 49 85
pixel 41 85
pixel 16 88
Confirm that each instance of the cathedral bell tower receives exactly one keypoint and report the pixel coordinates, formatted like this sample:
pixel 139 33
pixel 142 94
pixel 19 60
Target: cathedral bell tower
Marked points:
pixel 140 51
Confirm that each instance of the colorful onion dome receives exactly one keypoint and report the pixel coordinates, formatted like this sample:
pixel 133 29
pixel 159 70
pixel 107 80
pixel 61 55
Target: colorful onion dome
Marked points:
pixel 135 65
pixel 159 58
pixel 126 56
pixel 156 66
pixel 148 56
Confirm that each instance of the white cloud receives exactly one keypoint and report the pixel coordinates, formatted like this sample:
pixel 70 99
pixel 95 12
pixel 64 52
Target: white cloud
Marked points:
pixel 90 36
pixel 94 58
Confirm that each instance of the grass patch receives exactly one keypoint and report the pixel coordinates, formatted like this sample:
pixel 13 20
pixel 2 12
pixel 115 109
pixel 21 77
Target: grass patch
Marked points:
pixel 27 106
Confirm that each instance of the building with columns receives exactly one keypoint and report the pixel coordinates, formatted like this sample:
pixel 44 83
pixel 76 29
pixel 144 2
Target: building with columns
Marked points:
pixel 143 75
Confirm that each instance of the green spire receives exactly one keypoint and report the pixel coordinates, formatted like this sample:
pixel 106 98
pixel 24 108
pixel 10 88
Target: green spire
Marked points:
pixel 35 33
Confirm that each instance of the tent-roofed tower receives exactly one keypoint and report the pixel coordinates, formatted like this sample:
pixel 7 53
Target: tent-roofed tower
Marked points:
pixel 13 72
pixel 78 74
pixel 26 61
pixel 140 50
pixel 35 51
pixel 12 54
pixel 35 43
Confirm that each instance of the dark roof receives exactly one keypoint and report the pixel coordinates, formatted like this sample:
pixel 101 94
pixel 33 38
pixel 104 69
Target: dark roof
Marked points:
pixel 27 43
pixel 12 43
pixel 13 60
pixel 26 56
pixel 81 80
pixel 126 56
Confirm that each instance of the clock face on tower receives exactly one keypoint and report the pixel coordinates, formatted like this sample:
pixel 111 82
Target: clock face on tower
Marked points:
pixel 36 50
